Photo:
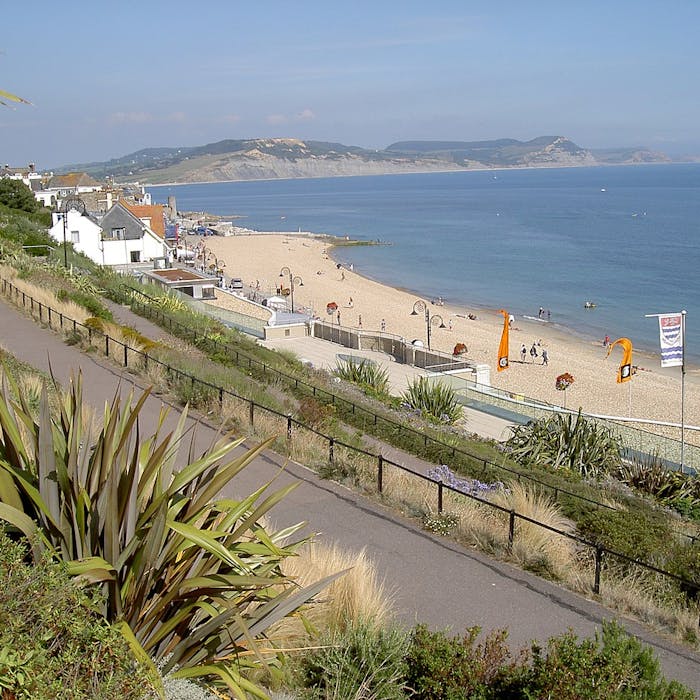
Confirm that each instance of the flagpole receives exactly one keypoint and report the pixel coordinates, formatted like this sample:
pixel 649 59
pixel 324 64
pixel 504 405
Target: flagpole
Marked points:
pixel 683 314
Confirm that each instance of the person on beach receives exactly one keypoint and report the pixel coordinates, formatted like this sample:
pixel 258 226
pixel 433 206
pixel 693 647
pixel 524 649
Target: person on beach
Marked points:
pixel 350 303
pixel 449 325
pixel 338 316
pixel 523 353
pixel 359 321
pixel 549 314
pixel 545 356
pixel 383 325
pixel 606 341
pixel 541 313
pixel 533 352
pixel 511 320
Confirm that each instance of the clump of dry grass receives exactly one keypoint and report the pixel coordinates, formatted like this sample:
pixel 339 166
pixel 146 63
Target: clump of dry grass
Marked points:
pixel 42 296
pixel 357 596
pixel 535 547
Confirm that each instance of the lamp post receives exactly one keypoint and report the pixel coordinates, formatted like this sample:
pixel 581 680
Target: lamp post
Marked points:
pixel 70 203
pixel 293 280
pixel 421 306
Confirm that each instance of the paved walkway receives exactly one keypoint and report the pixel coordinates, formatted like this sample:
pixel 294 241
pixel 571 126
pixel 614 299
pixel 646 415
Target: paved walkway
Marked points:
pixel 324 354
pixel 435 581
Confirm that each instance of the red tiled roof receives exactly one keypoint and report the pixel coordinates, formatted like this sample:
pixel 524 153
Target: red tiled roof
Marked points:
pixel 153 212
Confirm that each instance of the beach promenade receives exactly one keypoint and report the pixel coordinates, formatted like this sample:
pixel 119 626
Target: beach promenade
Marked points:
pixel 435 581
pixel 654 393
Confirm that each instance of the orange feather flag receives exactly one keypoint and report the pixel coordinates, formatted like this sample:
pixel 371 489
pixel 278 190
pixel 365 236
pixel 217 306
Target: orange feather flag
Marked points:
pixel 624 373
pixel 503 347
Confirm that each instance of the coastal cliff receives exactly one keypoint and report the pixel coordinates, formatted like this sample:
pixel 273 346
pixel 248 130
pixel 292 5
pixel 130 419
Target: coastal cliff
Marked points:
pixel 257 159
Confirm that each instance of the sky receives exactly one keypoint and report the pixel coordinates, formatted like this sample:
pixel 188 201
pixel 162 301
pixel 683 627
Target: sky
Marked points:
pixel 108 79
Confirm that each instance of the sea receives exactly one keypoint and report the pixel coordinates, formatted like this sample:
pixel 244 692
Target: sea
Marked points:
pixel 623 237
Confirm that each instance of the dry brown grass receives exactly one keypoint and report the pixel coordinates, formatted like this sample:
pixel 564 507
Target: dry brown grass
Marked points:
pixel 43 296
pixel 357 595
pixel 535 547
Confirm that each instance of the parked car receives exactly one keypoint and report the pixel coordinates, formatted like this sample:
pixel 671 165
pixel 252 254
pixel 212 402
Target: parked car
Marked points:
pixel 235 283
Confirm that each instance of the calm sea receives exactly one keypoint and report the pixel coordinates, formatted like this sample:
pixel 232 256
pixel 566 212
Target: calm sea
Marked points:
pixel 624 237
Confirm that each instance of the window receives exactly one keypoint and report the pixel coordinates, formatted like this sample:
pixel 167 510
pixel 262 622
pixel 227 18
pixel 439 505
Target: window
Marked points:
pixel 135 256
pixel 75 237
pixel 119 233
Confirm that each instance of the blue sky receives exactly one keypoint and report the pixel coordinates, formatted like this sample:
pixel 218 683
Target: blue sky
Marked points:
pixel 107 79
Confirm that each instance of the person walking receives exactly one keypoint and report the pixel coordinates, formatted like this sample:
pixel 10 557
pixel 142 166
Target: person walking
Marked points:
pixel 545 356
pixel 533 352
pixel 383 325
pixel 359 321
pixel 338 316
pixel 523 353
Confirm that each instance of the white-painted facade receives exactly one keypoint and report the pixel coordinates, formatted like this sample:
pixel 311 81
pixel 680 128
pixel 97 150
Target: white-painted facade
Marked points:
pixel 106 247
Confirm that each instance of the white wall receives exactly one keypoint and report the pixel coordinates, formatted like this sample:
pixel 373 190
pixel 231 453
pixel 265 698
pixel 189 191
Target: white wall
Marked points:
pixel 109 252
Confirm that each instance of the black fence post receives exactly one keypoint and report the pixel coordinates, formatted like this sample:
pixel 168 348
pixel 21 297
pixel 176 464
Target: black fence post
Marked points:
pixel 289 426
pixel 380 473
pixel 49 308
pixel 221 398
pixel 106 346
pixel 252 413
pixel 126 356
pixel 440 489
pixel 331 445
pixel 511 528
pixel 598 563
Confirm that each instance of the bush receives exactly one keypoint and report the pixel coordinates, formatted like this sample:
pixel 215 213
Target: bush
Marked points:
pixel 435 400
pixel 370 376
pixel 614 665
pixel 638 535
pixel 455 668
pixel 568 442
pixel 53 643
pixel 360 661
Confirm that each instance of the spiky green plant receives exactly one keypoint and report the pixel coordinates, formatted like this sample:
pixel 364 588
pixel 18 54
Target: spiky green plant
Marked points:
pixel 437 401
pixel 567 441
pixel 365 373
pixel 192 578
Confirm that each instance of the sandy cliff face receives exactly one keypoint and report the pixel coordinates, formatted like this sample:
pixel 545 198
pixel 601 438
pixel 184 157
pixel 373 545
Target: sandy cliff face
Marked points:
pixel 256 165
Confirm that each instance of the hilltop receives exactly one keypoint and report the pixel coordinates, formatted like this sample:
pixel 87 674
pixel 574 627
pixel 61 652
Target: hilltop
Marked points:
pixel 256 159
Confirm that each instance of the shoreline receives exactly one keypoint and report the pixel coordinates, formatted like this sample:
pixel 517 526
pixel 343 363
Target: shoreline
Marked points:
pixel 499 168
pixel 653 393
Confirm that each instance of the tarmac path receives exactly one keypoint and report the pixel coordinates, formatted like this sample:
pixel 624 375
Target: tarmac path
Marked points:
pixel 435 581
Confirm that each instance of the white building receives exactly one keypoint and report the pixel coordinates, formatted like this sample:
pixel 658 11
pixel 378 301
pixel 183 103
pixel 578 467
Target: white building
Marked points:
pixel 119 238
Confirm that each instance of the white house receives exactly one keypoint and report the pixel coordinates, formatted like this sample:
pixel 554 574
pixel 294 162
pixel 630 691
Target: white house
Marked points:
pixel 119 238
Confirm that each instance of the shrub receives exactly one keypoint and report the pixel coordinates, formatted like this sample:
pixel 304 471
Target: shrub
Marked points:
pixel 188 576
pixel 566 441
pixel 435 400
pixel 455 668
pixel 360 661
pixel 53 643
pixel 640 534
pixel 372 377
pixel 614 665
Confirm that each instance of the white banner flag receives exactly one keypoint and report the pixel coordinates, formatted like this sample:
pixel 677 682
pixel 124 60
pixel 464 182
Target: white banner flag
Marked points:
pixel 671 338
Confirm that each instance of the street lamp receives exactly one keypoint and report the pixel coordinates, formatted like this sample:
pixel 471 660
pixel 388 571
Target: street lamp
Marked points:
pixel 293 280
pixel 70 203
pixel 421 306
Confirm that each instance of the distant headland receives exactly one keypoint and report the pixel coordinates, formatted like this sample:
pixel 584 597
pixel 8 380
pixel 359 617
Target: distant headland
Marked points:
pixel 264 159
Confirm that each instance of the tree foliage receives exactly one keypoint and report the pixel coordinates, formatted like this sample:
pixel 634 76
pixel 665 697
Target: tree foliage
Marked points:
pixel 16 195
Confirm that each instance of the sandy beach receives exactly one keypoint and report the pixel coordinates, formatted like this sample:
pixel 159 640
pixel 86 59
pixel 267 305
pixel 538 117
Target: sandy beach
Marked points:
pixel 653 393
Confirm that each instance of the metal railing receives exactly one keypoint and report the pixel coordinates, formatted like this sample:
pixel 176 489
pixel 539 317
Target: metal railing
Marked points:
pixel 113 348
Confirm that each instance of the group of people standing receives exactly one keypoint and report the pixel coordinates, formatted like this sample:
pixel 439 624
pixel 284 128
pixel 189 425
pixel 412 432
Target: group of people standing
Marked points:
pixel 534 353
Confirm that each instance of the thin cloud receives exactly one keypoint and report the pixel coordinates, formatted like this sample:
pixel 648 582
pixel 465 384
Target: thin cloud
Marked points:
pixel 306 115
pixel 274 119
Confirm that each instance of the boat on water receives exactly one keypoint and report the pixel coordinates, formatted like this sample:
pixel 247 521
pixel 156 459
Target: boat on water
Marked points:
pixel 589 305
